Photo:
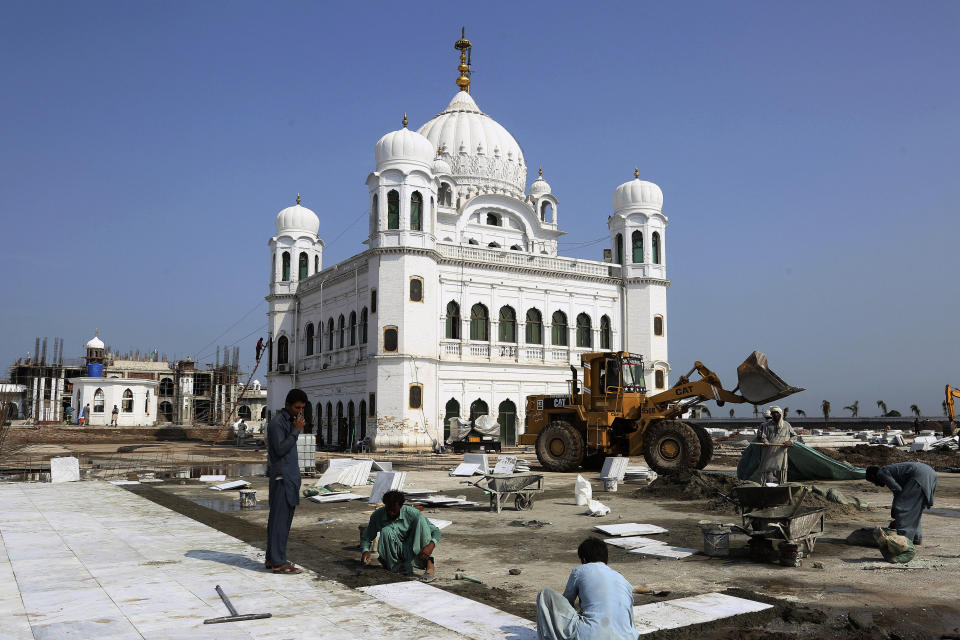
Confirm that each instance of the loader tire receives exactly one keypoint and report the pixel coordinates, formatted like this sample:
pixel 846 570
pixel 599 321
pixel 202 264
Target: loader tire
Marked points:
pixel 560 447
pixel 706 446
pixel 670 446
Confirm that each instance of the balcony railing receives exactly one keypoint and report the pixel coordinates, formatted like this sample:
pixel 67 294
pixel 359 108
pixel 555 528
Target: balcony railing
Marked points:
pixel 529 260
pixel 485 351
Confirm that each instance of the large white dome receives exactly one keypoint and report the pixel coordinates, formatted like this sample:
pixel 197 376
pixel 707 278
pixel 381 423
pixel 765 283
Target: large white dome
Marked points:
pixel 480 151
pixel 637 193
pixel 297 218
pixel 404 145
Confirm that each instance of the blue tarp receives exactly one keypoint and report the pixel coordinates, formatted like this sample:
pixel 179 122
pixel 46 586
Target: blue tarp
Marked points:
pixel 803 463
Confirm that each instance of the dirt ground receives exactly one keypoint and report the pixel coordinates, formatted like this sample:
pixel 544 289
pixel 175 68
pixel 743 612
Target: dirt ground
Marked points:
pixel 854 594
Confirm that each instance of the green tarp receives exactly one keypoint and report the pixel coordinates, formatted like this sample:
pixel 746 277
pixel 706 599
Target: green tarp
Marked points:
pixel 804 463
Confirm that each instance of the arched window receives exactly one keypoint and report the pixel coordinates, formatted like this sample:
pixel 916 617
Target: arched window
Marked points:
pixel 416 289
pixel 493 220
pixel 605 333
pixel 546 212
pixel 558 333
pixel 165 411
pixel 451 410
pixel 341 427
pixel 309 333
pixel 285 258
pixel 363 326
pixel 472 241
pixel 304 266
pixel 98 401
pixel 584 331
pixel 373 300
pixel 351 425
pixel 658 325
pixel 637 246
pixel 393 210
pixel 283 350
pixel 126 404
pixel 390 339
pixel 479 323
pixel 534 327
pixel 453 321
pixel 319 422
pixel 330 334
pixel 416 211
pixel 445 194
pixel 244 412
pixel 342 331
pixel 656 247
pixel 353 328
pixel 658 379
pixel 316 264
pixel 478 408
pixel 375 209
pixel 508 324
pixel 494 245
pixel 166 388
pixel 415 401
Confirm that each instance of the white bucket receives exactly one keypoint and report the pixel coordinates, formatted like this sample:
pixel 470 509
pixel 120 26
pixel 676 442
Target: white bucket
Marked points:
pixel 610 484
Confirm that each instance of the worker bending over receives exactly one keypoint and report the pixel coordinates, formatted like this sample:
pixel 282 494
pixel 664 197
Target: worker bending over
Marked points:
pixel 913 485
pixel 606 601
pixel 773 459
pixel 407 538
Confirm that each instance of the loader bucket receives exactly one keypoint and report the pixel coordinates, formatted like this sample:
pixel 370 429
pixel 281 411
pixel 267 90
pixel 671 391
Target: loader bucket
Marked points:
pixel 758 384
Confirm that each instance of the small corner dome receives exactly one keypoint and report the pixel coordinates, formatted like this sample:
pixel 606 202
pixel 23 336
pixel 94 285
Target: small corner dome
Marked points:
pixel 404 145
pixel 540 187
pixel 637 193
pixel 297 218
pixel 95 343
pixel 441 167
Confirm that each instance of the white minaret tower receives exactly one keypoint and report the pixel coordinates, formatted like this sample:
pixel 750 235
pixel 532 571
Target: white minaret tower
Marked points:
pixel 637 233
pixel 403 271
pixel 296 254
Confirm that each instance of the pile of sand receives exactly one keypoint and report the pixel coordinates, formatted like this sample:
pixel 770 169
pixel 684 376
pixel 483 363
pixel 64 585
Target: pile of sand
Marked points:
pixel 865 455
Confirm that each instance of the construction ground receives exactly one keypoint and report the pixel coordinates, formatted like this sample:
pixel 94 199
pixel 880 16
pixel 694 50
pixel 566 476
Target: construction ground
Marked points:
pixel 179 539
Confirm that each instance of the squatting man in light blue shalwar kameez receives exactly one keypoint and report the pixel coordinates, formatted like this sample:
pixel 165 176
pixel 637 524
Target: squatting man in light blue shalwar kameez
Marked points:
pixel 407 538
pixel 913 485
pixel 606 601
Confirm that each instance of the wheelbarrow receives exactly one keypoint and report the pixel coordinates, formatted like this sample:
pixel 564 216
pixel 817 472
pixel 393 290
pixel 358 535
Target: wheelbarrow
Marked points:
pixel 796 528
pixel 523 486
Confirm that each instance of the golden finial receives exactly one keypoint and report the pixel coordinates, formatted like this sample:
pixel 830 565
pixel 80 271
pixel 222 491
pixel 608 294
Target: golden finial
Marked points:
pixel 636 172
pixel 298 197
pixel 439 150
pixel 540 172
pixel 404 119
pixel 465 47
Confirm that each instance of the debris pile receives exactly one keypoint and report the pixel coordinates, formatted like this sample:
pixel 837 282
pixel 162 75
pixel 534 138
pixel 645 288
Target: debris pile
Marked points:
pixel 864 455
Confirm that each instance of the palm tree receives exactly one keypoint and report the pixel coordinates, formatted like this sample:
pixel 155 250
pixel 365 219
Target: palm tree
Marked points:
pixel 825 407
pixel 756 410
pixel 786 410
pixel 731 413
pixel 883 407
pixel 706 411
pixel 801 413
pixel 854 409
pixel 915 410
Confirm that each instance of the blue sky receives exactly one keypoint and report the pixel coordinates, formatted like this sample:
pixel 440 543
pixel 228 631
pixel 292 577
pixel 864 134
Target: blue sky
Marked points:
pixel 807 154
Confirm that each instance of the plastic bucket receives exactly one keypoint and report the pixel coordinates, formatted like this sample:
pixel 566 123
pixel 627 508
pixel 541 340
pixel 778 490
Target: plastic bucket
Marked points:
pixel 716 542
pixel 248 498
pixel 610 484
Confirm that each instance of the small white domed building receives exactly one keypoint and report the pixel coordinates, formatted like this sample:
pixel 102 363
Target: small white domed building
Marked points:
pixel 460 305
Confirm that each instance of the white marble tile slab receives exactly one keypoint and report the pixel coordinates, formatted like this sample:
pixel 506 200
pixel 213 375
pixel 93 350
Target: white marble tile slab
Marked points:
pixel 629 529
pixel 66 469
pixel 663 551
pixel 632 542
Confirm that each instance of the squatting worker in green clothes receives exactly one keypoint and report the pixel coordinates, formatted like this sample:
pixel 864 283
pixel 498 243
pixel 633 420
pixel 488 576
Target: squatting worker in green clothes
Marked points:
pixel 407 538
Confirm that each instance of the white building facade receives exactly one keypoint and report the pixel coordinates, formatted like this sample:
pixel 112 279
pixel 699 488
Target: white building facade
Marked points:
pixel 460 305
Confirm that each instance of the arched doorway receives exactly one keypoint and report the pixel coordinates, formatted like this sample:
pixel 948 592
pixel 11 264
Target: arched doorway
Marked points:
pixel 341 426
pixel 329 415
pixel 263 413
pixel 243 412
pixel 13 413
pixel 351 426
pixel 319 423
pixel 165 411
pixel 308 418
pixel 507 419
pixel 478 408
pixel 362 417
pixel 452 410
